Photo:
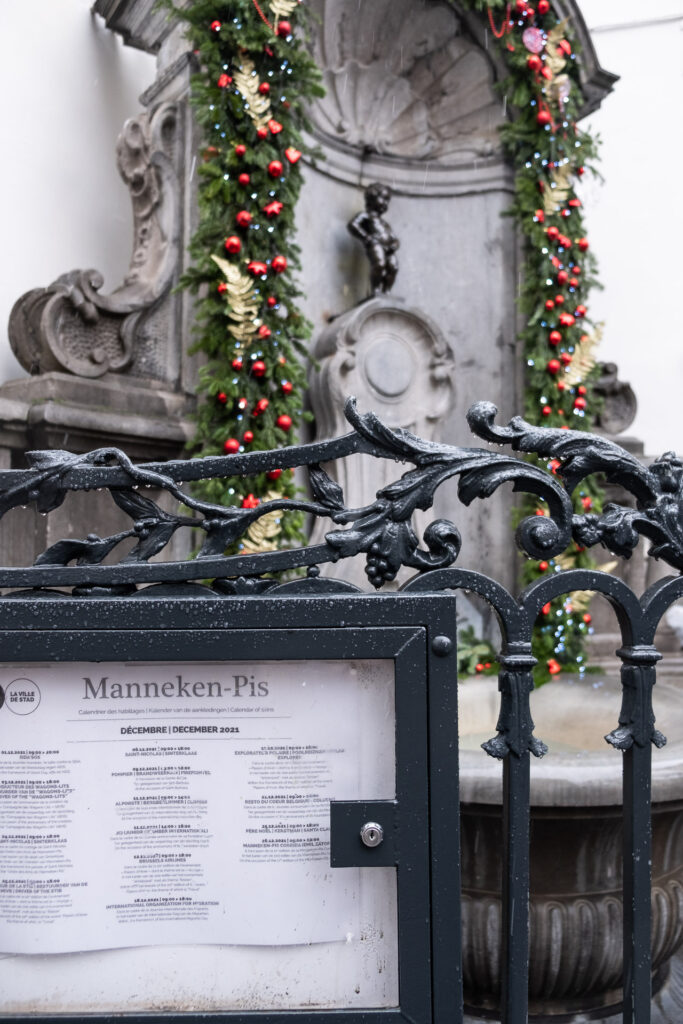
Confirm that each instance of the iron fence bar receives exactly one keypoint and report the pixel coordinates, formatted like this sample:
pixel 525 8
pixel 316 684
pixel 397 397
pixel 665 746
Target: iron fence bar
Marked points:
pixel 515 889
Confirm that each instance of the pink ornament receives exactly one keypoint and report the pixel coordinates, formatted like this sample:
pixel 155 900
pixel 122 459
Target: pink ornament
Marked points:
pixel 534 39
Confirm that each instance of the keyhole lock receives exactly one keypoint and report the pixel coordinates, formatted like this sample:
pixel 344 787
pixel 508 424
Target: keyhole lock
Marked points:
pixel 371 834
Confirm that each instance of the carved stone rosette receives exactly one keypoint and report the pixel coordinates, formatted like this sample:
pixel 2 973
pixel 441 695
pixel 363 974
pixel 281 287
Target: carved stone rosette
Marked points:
pixel 69 326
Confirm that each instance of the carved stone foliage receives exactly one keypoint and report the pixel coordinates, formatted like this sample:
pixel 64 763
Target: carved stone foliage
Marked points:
pixel 69 325
pixel 404 82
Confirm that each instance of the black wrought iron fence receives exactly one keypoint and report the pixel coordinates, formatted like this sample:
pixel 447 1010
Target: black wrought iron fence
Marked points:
pixel 382 531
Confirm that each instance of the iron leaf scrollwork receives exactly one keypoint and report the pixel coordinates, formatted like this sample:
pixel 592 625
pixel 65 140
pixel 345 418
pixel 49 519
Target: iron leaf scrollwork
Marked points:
pixel 658 489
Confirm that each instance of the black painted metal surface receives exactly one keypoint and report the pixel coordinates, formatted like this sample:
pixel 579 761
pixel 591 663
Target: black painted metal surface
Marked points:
pixel 106 601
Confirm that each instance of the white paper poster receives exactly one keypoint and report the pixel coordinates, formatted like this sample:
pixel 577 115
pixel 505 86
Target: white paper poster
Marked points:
pixel 150 804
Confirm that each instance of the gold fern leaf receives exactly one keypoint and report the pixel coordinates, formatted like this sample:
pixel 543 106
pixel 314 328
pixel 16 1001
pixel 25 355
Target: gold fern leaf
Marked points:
pixel 584 358
pixel 554 60
pixel 558 193
pixel 283 8
pixel 243 310
pixel 262 534
pixel 258 106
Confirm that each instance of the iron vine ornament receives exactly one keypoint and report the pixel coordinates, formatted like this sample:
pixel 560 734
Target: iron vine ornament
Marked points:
pixel 381 530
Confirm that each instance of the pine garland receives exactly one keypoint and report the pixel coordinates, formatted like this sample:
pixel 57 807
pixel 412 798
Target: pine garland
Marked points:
pixel 249 94
pixel 549 154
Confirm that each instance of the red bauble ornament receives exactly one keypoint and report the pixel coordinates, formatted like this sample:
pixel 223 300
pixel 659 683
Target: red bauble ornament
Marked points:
pixel 549 304
pixel 257 268
pixel 564 47
pixel 580 403
pixel 244 179
pixel 543 566
pixel 275 168
pixel 554 666
pixel 282 360
pixel 287 387
pixel 248 436
pixel 543 6
pixel 539 216
pixel 292 154
pixel 242 404
pixel 587 502
pixel 520 6
pixel 221 287
pixel 215 26
pixel 223 81
pixel 581 389
pixel 221 397
pixel 567 320
pixel 543 117
pixel 264 88
pixel 581 311
pixel 566 212
pixel 251 501
pixel 546 72
pixel 233 244
pixel 564 241
pixel 588 618
pixel 546 608
pixel 574 203
pixel 546 410
pixel 562 277
pixel 237 364
pixel 258 368
pixel 261 406
pixel 580 171
pixel 552 232
pixel 273 209
pixel 275 126
pixel 582 244
pixel 264 331
pixel 240 149
pixel 243 218
pixel 534 62
pixel 561 385
pixel 530 13
pixel 231 446
pixel 273 474
pixel 284 422
pixel 284 29
pixel 559 300
pixel 554 366
pixel 279 264
pixel 271 301
pixel 554 337
pixel 573 282
pixel 262 133
pixel 566 358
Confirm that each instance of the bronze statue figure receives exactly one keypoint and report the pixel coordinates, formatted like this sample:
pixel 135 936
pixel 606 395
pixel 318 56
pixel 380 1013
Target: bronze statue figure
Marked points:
pixel 376 235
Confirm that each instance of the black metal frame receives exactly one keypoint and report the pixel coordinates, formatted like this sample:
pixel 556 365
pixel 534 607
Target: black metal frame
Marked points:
pixel 383 532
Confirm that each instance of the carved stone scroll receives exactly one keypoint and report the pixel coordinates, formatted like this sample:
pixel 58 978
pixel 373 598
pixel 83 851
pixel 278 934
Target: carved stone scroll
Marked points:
pixel 69 326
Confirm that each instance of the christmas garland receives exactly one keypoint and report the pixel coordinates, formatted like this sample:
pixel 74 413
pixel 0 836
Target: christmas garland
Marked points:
pixel 254 80
pixel 549 154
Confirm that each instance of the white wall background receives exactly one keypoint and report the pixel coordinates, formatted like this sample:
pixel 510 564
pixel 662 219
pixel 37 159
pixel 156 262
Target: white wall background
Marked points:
pixel 635 219
pixel 67 85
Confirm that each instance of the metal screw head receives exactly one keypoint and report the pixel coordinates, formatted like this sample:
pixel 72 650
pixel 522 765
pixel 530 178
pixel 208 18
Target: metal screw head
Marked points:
pixel 371 833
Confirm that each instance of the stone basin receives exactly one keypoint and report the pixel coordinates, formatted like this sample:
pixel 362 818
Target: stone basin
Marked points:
pixel 576 871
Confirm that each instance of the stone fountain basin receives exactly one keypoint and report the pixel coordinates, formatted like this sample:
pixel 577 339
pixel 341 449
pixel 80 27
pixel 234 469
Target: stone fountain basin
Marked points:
pixel 572 716
pixel 576 835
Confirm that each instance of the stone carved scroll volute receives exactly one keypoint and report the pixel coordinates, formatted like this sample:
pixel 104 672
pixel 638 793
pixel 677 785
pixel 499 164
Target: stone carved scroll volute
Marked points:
pixel 69 326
